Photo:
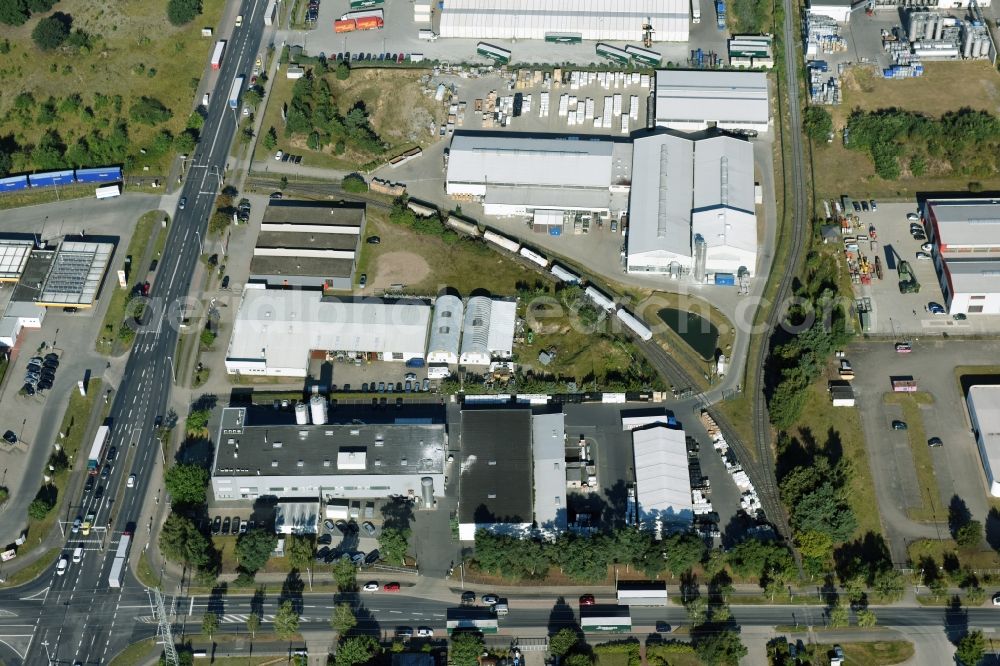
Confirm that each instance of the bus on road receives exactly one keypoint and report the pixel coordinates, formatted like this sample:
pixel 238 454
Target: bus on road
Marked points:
pixel 476 619
pixel 97 450
pixel 613 619
pixel 495 53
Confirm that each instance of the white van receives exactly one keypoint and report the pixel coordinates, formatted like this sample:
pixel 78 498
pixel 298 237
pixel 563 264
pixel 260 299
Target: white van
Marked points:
pixel 61 567
pixel 78 555
pixel 204 99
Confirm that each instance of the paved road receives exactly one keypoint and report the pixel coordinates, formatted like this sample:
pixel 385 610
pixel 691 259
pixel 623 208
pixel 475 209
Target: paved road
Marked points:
pixel 79 618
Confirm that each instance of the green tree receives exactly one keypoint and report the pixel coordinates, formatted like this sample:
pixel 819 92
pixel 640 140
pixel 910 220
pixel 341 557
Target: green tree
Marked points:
pixel 41 6
pixel 13 12
pixel 342 619
pixel 187 484
pixel 253 624
pixel 39 508
pixel 354 182
pixel 817 545
pixel 149 111
pixel 255 547
pixel 393 544
pixel 210 623
pixel 286 621
pixel 181 542
pixel 197 420
pixel 715 646
pixel 207 338
pixel 563 641
pixel 356 650
pixel 889 584
pixel 186 141
pixel 970 534
pixel 918 165
pixel 299 551
pixel 50 32
pixel 270 139
pixel 683 551
pixel 839 616
pixel 253 97
pixel 971 648
pixel 346 575
pixel 760 558
pixel 343 71
pixel 180 12
pixel 4 494
pixel 817 123
pixel 867 618
pixel 465 648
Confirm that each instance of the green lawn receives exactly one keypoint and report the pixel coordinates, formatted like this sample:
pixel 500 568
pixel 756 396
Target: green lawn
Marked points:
pixel 135 654
pixel 931 508
pixel 47 195
pixel 939 549
pixel 874 653
pixel 32 571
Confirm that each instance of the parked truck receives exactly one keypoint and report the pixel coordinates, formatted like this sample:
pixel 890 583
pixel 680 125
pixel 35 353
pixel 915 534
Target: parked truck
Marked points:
pixel 234 93
pixel 220 47
pixel 720 12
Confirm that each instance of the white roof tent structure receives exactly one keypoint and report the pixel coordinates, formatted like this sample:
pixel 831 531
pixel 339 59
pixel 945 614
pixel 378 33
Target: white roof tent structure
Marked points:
pixel 446 330
pixel 691 100
pixel 984 412
pixel 275 330
pixel 966 238
pixel 838 10
pixel 296 517
pixel 692 206
pixel 662 479
pixel 13 256
pixel 518 174
pixel 622 20
pixel 488 330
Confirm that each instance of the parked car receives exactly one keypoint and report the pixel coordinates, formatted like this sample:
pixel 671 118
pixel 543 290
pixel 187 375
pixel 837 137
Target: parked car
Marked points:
pixel 372 557
pixel 225 282
pixel 329 524
pixel 363 281
pixel 490 599
pixel 236 525
pixel 935 442
pixel 899 425
pixel 959 316
pixel 131 481
pixel 936 308
pixel 358 559
pixel 427 384
pixel 996 599
pixel 322 553
pixel 368 528
pixel 926 247
pixel 373 240
pixel 587 600
pixel 371 586
pixel 469 597
pixel 662 627
pixel 913 217
pixel 873 204
pixel 276 196
pixel 278 155
pixel 923 256
pixel 341 526
pixel 425 632
pixel 864 205
pixel 10 437
pixel 323 539
pixel 390 587
pixel 244 528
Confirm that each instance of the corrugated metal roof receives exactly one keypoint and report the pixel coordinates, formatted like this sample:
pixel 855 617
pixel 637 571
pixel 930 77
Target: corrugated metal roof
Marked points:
pixel 967 222
pixel 974 276
pixel 985 402
pixel 662 479
pixel 446 329
pixel 703 96
pixel 548 445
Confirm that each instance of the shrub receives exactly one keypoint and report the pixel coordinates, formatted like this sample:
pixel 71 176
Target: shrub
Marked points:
pixel 355 183
pixel 149 111
pixel 51 32
pixel 180 12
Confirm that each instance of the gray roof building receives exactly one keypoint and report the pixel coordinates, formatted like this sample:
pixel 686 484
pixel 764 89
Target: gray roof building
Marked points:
pixel 691 100
pixel 308 244
pixel 325 460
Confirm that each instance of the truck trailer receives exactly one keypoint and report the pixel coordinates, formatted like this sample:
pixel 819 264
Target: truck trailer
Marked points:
pixel 220 48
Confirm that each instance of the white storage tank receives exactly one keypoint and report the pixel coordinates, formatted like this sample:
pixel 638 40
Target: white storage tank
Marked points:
pixel 317 405
pixel 301 414
pixel 427 492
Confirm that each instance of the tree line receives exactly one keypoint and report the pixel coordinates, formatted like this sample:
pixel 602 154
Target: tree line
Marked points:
pixel 313 114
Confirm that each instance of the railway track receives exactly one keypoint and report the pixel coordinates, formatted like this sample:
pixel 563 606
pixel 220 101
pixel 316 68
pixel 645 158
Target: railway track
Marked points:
pixel 317 191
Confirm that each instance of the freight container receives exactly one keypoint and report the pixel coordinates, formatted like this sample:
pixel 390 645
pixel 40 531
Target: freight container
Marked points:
pixel 602 301
pixel 13 183
pixel 234 92
pixel 220 47
pixel 99 175
pixel 501 241
pixel 461 225
pixel 345 25
pixel 534 257
pixel 564 274
pixel 108 191
pixel 271 13
pixel 727 279
pixel 370 23
pixel 50 178
pixel 429 35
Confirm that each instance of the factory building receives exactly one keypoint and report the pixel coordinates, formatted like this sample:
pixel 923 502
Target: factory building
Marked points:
pixel 488 330
pixel 838 10
pixel 519 174
pixel 308 244
pixel 692 100
pixel 446 330
pixel 513 472
pixel 276 331
pixel 984 412
pixel 624 20
pixel 965 234
pixel 662 477
pixel 259 454
pixel 692 208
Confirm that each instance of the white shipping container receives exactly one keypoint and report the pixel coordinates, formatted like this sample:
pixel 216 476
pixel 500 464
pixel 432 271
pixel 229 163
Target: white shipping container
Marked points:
pixel 590 107
pixel 580 114
pixel 534 257
pixel 271 12
pixel 617 104
pixel 599 299
pixel 633 107
pixel 108 191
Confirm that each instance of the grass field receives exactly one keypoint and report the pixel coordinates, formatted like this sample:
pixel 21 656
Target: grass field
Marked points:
pixel 31 571
pixel 945 86
pixel 930 509
pixel 43 196
pixel 400 119
pixel 135 654
pixel 136 52
pixel 940 549
pixel 875 653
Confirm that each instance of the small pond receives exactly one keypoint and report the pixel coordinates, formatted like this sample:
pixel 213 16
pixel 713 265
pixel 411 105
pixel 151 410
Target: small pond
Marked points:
pixel 698 332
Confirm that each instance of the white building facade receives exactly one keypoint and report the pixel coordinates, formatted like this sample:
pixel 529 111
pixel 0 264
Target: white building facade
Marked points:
pixel 965 234
pixel 984 412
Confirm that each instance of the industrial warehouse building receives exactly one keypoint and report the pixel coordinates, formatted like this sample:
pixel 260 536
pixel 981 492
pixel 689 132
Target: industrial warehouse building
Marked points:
pixel 14 254
pixel 621 21
pixel 984 412
pixel 308 244
pixel 838 10
pixel 662 477
pixel 513 472
pixel 310 458
pixel 692 100
pixel 966 238
pixel 692 208
pixel 488 330
pixel 275 331
pixel 519 174
pixel 446 330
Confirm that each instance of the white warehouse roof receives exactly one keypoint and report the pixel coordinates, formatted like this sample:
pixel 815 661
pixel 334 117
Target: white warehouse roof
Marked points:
pixel 621 20
pixel 694 99
pixel 275 330
pixel 548 449
pixel 961 224
pixel 446 329
pixel 686 187
pixel 984 408
pixel 662 479
pixel 488 330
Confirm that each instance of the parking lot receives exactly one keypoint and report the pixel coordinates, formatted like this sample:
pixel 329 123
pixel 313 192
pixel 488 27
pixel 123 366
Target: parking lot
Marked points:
pixel 957 467
pixel 895 314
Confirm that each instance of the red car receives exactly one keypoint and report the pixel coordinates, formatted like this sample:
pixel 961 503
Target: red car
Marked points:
pixel 587 600
pixel 390 587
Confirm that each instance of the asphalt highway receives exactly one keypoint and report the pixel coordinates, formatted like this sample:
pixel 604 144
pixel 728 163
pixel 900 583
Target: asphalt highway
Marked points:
pixel 77 617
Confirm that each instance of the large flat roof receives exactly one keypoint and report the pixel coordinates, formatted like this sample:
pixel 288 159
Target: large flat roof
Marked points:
pixel 985 400
pixel 496 466
pixel 708 96
pixel 281 326
pixel 247 449
pixel 313 213
pixel 662 478
pixel 13 257
pixel 978 276
pixel 291 266
pixel 542 161
pixel 548 450
pixel 76 273
pixel 966 222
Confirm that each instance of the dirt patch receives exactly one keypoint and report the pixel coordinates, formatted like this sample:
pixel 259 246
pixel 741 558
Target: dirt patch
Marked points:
pixel 404 268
